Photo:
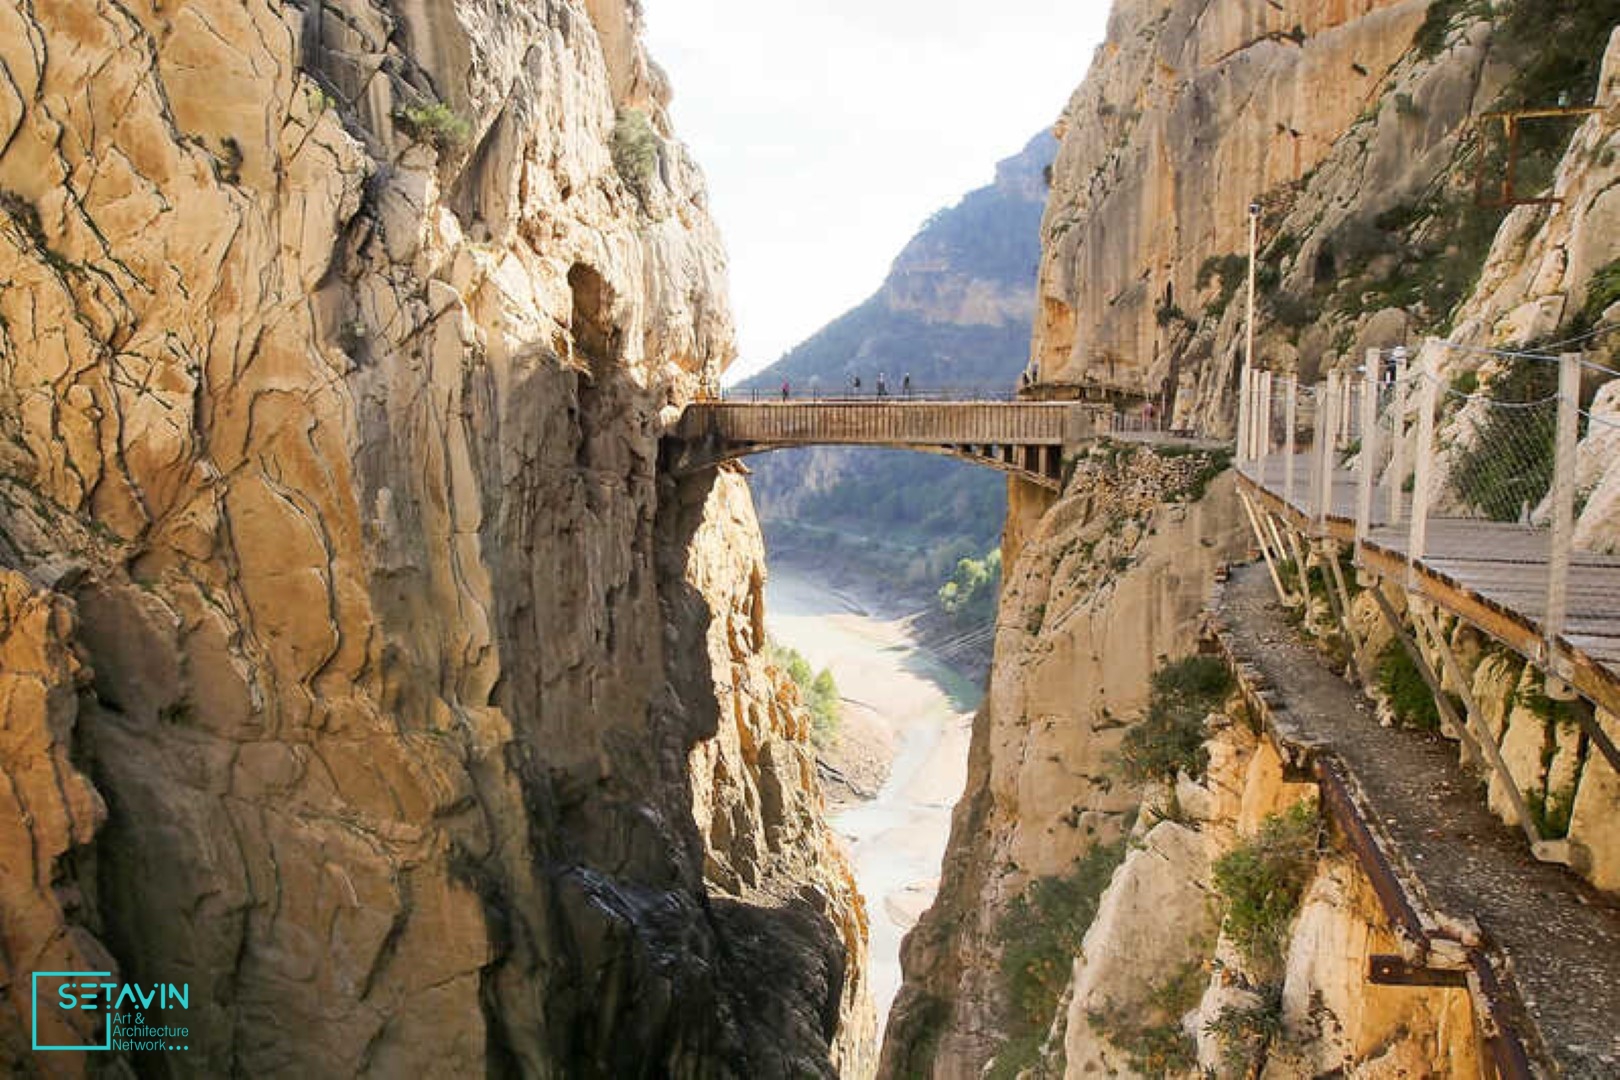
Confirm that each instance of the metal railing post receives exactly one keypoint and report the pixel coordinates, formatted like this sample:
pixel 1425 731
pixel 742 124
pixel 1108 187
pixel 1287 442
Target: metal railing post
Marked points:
pixel 1290 415
pixel 1262 381
pixel 1346 412
pixel 1397 447
pixel 1243 417
pixel 1327 438
pixel 1314 489
pixel 1367 460
pixel 1418 534
pixel 1563 492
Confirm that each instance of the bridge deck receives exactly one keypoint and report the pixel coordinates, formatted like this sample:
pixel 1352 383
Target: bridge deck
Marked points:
pixel 1492 574
pixel 890 422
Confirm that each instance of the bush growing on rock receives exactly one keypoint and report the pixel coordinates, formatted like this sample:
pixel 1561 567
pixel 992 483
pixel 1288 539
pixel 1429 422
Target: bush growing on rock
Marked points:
pixel 817 690
pixel 1262 881
pixel 635 149
pixel 1041 934
pixel 438 124
pixel 1403 686
pixel 1171 738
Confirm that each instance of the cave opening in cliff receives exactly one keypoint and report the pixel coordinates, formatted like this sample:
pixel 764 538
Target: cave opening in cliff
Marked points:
pixel 596 338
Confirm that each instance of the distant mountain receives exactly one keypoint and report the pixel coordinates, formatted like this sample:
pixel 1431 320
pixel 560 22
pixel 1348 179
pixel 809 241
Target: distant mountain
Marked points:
pixel 954 311
pixel 958 303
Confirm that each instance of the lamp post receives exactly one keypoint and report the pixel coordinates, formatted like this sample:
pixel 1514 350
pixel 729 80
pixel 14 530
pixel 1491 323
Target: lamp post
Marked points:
pixel 1245 405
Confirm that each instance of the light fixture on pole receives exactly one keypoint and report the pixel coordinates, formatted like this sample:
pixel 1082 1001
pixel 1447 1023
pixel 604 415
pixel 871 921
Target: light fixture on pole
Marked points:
pixel 1244 380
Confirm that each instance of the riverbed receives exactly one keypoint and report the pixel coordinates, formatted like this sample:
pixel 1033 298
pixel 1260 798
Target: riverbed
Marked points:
pixel 895 691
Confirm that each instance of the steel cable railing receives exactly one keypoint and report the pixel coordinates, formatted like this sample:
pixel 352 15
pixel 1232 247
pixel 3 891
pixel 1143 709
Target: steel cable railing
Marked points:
pixel 1410 457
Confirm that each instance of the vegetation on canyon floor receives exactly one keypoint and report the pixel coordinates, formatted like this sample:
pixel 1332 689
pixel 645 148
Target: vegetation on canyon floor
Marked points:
pixel 968 599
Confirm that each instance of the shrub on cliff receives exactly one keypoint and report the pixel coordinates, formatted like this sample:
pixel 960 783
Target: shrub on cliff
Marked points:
pixel 1262 881
pixel 437 124
pixel 1170 739
pixel 818 691
pixel 635 149
pixel 1404 687
pixel 1149 1031
pixel 969 597
pixel 1040 936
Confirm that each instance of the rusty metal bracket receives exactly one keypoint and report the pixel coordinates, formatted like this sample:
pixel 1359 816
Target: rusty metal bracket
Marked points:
pixel 1387 969
pixel 1507 193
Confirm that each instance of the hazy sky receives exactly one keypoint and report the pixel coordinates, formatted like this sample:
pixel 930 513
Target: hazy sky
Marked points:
pixel 830 130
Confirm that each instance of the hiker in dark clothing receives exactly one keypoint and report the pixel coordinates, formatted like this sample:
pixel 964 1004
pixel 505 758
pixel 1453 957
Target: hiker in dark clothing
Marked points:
pixel 855 384
pixel 905 385
pixel 785 389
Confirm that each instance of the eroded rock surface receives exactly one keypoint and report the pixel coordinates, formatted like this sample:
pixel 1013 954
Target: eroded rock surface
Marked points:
pixel 1104 584
pixel 337 341
pixel 48 810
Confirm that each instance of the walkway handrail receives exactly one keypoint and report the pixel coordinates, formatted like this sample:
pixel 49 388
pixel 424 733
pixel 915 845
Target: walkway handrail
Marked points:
pixel 1401 457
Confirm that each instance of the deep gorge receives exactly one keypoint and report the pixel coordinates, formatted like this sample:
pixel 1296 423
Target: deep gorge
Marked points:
pixel 362 670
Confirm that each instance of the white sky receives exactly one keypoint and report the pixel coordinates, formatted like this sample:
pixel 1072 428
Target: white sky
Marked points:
pixel 830 130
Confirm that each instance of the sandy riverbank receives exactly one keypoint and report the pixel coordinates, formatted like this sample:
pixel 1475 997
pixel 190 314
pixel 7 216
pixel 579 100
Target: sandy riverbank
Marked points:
pixel 908 706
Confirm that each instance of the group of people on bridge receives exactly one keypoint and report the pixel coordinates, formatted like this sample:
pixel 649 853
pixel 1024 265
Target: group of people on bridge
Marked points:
pixel 881 389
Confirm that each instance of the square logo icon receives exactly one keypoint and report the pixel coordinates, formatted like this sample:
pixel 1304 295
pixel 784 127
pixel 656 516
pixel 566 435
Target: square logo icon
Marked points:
pixel 54 986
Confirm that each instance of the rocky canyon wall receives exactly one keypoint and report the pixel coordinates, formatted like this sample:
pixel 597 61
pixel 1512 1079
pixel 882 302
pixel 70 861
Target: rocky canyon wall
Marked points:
pixel 341 581
pixel 1349 124
pixel 1104 583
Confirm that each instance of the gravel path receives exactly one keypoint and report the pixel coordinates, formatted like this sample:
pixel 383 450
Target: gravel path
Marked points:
pixel 1559 937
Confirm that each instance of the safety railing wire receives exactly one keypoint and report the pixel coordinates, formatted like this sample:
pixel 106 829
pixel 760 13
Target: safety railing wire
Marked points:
pixel 1494 466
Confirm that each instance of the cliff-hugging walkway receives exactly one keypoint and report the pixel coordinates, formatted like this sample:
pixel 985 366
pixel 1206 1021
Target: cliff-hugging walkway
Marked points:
pixel 1561 939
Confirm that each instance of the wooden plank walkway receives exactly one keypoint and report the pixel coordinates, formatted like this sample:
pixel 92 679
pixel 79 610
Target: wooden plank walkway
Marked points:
pixel 1493 574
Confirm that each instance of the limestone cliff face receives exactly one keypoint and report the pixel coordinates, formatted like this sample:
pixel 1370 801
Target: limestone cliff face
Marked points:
pixel 1107 586
pixel 1542 288
pixel 48 809
pixel 1325 113
pixel 1104 583
pixel 1347 123
pixel 1158 927
pixel 336 342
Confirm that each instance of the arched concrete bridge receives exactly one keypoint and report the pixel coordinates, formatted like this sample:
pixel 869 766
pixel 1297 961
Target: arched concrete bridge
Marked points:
pixel 1025 438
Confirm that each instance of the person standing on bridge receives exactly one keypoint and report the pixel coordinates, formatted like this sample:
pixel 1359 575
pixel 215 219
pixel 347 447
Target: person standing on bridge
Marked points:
pixel 905 385
pixel 786 389
pixel 855 385
pixel 882 387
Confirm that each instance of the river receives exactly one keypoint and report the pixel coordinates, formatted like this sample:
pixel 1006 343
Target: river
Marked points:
pixel 896 692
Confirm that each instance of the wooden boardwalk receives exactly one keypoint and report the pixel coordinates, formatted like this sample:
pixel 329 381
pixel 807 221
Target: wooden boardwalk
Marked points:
pixel 1492 574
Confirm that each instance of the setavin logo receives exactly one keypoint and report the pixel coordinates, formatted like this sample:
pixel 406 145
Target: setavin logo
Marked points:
pixel 125 1006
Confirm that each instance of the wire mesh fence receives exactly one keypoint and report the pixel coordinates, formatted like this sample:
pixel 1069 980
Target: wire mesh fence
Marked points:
pixel 1491 468
pixel 1497 458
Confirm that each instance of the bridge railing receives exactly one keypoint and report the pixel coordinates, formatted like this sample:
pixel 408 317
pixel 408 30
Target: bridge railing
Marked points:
pixel 762 395
pixel 1484 464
